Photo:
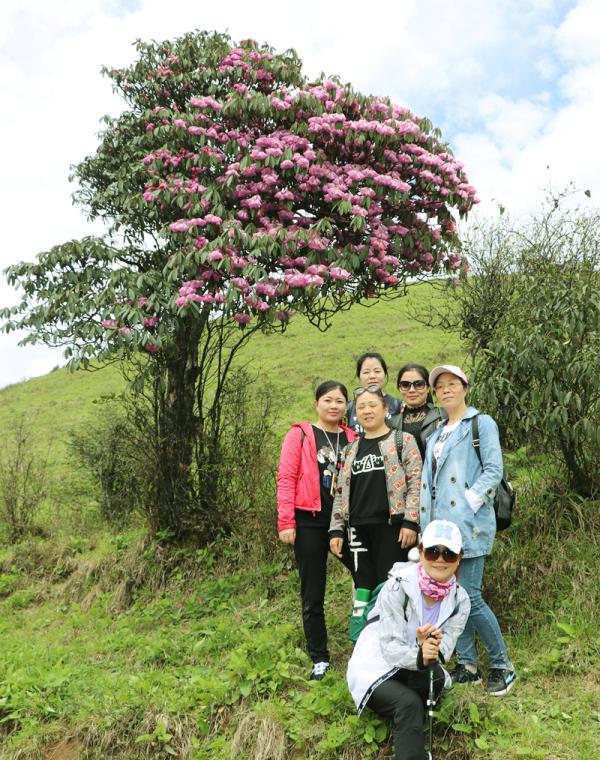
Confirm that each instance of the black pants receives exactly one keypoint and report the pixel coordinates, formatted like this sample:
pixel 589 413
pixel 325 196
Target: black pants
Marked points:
pixel 372 550
pixel 402 700
pixel 311 548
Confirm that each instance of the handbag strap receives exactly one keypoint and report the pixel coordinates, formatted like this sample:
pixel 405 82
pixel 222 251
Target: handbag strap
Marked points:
pixel 475 435
pixel 398 442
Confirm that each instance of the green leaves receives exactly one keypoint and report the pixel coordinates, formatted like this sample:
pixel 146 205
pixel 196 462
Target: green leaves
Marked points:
pixel 531 318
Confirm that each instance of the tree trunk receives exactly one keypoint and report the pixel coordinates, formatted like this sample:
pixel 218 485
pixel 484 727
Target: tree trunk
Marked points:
pixel 174 493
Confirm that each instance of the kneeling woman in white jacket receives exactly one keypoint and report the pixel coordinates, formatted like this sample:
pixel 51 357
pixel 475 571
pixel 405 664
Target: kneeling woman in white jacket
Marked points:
pixel 418 615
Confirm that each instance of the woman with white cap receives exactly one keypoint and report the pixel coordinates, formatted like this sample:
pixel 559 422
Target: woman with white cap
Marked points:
pixel 459 484
pixel 412 628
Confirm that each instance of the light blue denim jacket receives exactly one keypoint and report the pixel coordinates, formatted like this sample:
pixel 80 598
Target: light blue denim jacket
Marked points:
pixel 459 469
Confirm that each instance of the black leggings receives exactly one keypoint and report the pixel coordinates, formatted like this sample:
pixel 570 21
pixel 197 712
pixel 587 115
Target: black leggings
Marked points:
pixel 311 548
pixel 402 700
pixel 372 550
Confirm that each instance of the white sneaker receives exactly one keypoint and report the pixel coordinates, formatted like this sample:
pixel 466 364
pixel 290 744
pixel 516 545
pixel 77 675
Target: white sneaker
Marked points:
pixel 319 670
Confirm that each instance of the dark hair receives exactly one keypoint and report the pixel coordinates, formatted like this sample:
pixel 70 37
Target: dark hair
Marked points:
pixel 423 371
pixel 330 385
pixel 379 393
pixel 370 355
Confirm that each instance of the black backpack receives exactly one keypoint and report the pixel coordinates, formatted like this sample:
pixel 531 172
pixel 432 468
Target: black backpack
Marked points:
pixel 506 497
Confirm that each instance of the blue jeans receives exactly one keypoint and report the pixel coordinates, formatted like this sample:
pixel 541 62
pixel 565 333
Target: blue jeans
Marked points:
pixel 481 620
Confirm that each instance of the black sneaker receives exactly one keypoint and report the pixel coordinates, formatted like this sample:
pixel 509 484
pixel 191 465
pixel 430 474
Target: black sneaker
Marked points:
pixel 319 670
pixel 461 674
pixel 500 681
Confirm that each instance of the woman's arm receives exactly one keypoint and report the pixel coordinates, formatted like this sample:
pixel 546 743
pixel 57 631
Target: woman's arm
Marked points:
pixel 287 478
pixel 393 635
pixel 412 465
pixel 491 461
pixel 454 626
pixel 338 522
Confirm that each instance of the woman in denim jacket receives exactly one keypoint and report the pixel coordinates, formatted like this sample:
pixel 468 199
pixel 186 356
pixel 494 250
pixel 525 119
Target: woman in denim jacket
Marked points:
pixel 456 486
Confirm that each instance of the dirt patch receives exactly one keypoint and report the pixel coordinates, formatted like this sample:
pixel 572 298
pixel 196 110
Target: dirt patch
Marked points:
pixel 68 749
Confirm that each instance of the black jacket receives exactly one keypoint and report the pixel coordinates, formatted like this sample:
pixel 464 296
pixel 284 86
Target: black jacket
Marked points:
pixel 432 420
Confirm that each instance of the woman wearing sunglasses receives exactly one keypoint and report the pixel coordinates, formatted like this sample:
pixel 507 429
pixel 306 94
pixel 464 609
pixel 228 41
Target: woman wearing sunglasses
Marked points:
pixel 310 458
pixel 375 517
pixel 458 486
pixel 371 369
pixel 418 415
pixel 412 629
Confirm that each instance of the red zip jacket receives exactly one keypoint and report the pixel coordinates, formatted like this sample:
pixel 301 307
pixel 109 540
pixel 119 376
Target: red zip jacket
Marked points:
pixel 298 475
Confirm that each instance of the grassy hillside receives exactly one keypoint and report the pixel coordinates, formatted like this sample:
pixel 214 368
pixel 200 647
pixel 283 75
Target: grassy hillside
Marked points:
pixel 301 358
pixel 295 362
pixel 115 646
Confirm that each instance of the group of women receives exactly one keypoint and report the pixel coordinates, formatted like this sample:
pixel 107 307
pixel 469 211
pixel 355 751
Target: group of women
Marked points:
pixel 366 491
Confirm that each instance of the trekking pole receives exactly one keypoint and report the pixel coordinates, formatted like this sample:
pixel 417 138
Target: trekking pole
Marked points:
pixel 430 706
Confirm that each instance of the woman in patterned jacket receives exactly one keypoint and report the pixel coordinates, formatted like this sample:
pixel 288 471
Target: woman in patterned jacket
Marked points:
pixel 376 505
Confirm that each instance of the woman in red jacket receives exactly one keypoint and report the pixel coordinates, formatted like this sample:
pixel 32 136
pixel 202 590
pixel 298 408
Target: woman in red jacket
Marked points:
pixel 310 460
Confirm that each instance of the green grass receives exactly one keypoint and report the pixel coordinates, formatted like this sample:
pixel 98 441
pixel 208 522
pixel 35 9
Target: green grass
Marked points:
pixel 116 646
pixel 302 357
pixel 294 362
pixel 215 660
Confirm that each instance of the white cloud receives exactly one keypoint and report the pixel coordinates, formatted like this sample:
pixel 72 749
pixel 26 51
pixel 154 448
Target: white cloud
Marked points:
pixel 549 138
pixel 514 84
pixel 578 38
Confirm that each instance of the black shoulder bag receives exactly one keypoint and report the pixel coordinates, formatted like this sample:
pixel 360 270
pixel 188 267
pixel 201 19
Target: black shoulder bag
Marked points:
pixel 506 497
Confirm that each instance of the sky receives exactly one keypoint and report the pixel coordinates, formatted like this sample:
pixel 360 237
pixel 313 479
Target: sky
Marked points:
pixel 514 85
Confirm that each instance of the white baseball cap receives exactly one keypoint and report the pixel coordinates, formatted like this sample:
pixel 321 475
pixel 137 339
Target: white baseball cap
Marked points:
pixel 451 368
pixel 442 533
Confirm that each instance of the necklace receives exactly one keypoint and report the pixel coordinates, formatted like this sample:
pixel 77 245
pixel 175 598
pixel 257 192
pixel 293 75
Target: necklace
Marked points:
pixel 330 478
pixel 337 443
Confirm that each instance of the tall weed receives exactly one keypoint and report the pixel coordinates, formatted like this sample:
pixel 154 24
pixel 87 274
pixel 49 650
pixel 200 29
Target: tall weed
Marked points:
pixel 23 476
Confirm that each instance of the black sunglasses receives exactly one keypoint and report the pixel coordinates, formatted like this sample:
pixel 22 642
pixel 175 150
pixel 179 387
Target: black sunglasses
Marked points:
pixel 370 388
pixel 406 385
pixel 433 553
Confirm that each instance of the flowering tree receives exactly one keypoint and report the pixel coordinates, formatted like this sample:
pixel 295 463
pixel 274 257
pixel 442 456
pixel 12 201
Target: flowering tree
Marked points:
pixel 235 193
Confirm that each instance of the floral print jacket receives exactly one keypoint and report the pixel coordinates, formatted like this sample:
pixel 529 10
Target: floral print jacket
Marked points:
pixel 403 481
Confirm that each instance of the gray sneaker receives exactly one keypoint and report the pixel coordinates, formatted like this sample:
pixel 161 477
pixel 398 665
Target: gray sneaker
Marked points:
pixel 500 681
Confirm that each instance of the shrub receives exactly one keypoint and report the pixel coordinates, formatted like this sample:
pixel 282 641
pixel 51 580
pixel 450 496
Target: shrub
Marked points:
pixel 22 481
pixel 530 316
pixel 235 460
pixel 246 457
pixel 109 448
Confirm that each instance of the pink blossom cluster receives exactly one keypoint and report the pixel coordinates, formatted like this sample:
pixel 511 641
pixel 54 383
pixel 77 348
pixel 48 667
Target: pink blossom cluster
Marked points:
pixel 115 326
pixel 320 188
pixel 140 325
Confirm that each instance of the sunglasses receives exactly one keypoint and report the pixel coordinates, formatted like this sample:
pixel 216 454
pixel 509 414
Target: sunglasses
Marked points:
pixel 406 385
pixel 370 388
pixel 433 553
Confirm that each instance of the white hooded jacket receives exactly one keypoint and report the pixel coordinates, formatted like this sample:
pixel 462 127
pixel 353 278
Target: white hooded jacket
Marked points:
pixel 389 643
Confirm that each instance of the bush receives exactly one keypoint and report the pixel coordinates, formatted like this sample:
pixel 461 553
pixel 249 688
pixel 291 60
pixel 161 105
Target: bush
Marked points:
pixel 242 457
pixel 22 481
pixel 530 316
pixel 235 460
pixel 110 449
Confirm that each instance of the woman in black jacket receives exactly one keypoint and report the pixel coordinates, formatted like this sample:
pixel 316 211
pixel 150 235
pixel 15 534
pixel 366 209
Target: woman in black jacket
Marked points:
pixel 371 369
pixel 418 415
